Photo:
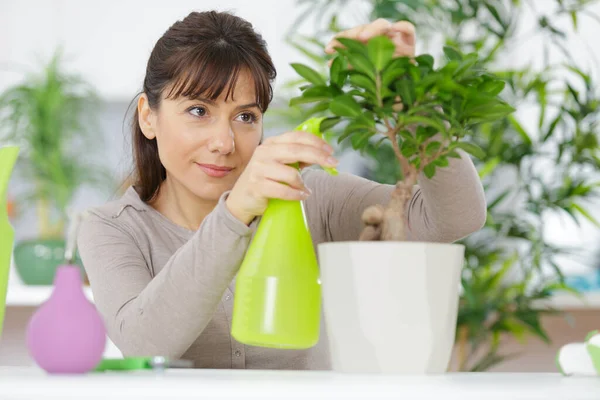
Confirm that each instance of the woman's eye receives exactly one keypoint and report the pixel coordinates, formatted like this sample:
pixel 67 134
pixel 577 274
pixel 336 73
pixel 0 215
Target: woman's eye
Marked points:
pixel 247 117
pixel 198 111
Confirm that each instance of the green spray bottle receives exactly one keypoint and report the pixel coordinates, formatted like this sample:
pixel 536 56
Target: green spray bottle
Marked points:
pixel 278 291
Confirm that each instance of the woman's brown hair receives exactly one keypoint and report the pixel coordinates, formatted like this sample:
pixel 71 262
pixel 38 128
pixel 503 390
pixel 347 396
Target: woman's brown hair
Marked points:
pixel 201 55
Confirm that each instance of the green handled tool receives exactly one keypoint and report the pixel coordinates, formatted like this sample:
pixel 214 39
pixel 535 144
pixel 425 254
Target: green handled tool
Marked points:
pixel 137 363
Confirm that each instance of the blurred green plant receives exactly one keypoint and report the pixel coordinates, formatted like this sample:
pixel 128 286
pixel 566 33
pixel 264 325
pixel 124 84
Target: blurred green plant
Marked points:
pixel 51 116
pixel 534 164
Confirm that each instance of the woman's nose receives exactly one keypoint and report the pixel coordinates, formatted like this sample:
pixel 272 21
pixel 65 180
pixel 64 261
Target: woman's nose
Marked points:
pixel 222 141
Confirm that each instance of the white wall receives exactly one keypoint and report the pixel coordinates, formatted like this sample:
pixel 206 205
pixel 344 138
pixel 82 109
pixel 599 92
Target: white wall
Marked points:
pixel 109 42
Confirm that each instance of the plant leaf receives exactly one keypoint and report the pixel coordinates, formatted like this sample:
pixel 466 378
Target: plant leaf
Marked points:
pixel 363 82
pixel 308 73
pixel 429 170
pixel 520 130
pixel 353 45
pixel 362 64
pixel 329 123
pixel 586 214
pixel 452 54
pixel 425 60
pixel 471 148
pixel 432 148
pixel 335 72
pixel 345 106
pixel 380 50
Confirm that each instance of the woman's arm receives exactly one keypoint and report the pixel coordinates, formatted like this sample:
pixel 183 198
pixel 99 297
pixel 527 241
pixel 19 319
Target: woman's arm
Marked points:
pixel 446 208
pixel 163 315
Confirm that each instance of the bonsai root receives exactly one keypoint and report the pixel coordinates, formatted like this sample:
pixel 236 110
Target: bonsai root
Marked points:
pixel 373 215
pixel 373 218
pixel 371 233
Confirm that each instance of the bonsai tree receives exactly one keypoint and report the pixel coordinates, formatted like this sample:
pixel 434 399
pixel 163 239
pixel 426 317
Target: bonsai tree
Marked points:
pixel 426 113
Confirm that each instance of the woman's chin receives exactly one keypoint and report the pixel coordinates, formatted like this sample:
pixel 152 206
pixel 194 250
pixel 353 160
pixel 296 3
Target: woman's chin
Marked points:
pixel 211 191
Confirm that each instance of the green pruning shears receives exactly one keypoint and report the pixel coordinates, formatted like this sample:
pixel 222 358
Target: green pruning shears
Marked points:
pixel 141 363
pixel 313 125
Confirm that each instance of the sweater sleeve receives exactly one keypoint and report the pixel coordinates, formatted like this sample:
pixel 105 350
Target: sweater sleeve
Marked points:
pixel 445 208
pixel 141 311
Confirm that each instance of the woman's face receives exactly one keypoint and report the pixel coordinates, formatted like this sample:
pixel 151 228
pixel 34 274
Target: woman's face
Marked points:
pixel 205 145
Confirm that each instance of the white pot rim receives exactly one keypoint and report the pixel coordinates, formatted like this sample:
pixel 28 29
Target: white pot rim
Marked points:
pixel 378 243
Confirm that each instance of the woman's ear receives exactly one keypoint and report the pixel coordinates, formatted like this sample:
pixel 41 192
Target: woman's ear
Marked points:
pixel 146 117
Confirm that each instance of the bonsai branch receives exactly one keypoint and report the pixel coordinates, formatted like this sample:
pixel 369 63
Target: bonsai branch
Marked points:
pixel 388 223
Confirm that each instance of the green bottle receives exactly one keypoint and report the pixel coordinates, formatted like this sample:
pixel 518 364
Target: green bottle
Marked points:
pixel 8 157
pixel 278 291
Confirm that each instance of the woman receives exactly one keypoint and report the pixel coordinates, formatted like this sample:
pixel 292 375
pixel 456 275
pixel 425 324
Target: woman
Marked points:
pixel 162 259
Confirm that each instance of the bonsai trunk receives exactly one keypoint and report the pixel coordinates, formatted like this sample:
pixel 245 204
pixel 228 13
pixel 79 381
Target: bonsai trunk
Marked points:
pixel 388 223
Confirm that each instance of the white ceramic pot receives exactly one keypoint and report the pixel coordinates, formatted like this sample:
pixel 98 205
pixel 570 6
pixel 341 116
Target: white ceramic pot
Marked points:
pixel 390 307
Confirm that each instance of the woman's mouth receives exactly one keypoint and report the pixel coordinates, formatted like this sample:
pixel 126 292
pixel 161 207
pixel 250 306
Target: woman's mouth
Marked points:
pixel 215 171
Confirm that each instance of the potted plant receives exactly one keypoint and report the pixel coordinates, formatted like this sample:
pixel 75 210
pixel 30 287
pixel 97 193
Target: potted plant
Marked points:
pixel 50 115
pixel 387 300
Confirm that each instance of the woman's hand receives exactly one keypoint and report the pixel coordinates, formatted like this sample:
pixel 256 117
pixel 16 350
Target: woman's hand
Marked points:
pixel 402 34
pixel 269 174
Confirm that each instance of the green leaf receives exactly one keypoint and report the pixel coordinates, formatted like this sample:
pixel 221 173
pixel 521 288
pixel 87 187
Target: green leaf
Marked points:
pixel 362 64
pixel 295 101
pixel 409 149
pixel 380 50
pixel 493 88
pixel 335 72
pixel 317 91
pixel 427 121
pixel 453 154
pixel 345 106
pixel 407 135
pixel 495 14
pixel 429 170
pixel 432 148
pixel 312 94
pixel 309 74
pixel 329 123
pixel 362 81
pixel 574 19
pixel 442 162
pixel 317 108
pixel 425 60
pixel 407 91
pixel 390 75
pixel 452 54
pixel 354 46
pixel 498 199
pixel 552 127
pixel 464 66
pixel 489 167
pixel 517 126
pixel 586 214
pixel 471 148
pixel 360 140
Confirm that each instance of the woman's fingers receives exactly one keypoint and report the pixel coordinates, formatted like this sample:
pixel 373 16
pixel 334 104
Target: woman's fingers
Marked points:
pixel 375 28
pixel 284 174
pixel 289 153
pixel 300 137
pixel 407 30
pixel 275 190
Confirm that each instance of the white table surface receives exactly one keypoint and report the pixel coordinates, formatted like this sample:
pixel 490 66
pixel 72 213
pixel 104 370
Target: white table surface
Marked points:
pixel 31 383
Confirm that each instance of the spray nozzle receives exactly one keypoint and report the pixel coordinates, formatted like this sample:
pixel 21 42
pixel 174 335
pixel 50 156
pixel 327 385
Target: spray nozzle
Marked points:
pixel 313 125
